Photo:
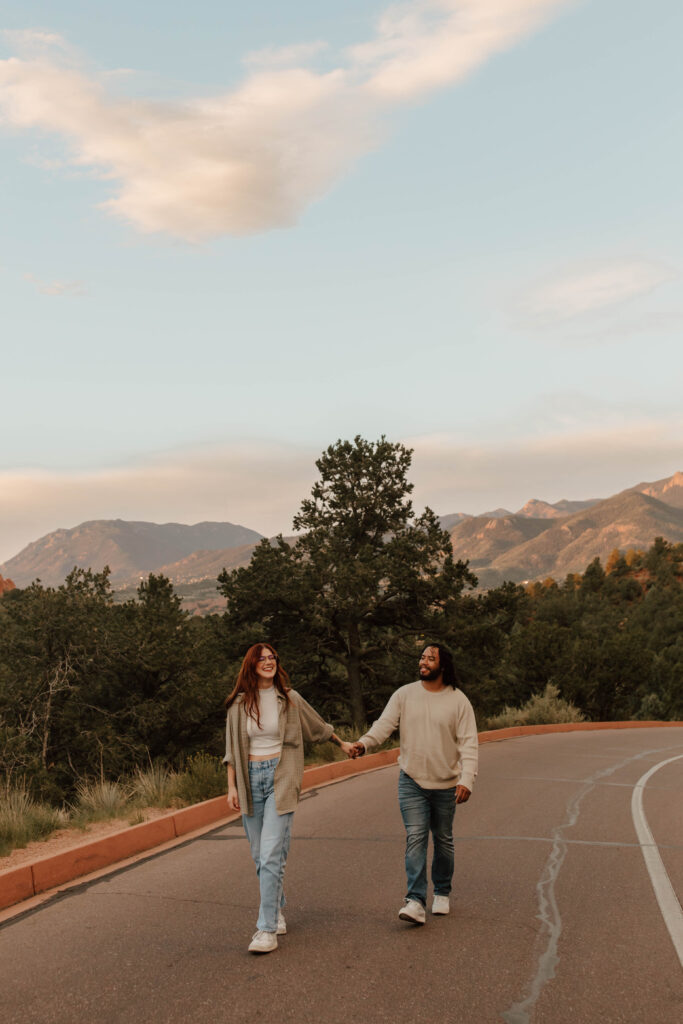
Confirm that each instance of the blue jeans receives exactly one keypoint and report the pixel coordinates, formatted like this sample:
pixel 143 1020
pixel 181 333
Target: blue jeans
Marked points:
pixel 268 833
pixel 425 811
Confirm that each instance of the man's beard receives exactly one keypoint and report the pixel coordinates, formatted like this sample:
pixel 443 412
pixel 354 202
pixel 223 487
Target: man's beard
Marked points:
pixel 431 674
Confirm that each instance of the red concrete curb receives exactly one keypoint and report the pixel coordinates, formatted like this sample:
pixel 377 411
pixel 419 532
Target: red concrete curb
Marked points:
pixel 527 730
pixel 21 883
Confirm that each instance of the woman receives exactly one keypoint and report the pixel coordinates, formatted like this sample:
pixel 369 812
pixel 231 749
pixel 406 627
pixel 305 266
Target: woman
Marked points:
pixel 266 727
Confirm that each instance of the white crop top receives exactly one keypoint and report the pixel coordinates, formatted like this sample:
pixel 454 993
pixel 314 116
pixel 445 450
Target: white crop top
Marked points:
pixel 264 740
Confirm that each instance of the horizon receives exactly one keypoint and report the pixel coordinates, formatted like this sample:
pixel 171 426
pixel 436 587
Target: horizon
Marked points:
pixel 290 532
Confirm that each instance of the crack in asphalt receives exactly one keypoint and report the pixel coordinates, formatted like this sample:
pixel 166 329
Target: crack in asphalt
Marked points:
pixel 548 911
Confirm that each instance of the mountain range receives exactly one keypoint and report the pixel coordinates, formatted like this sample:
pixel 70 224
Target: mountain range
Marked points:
pixel 539 540
pixel 130 549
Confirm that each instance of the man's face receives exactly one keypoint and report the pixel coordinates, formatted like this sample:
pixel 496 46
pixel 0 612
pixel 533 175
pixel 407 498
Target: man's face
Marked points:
pixel 430 668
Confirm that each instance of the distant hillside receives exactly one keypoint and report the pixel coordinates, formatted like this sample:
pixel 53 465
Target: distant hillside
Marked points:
pixel 628 520
pixel 201 565
pixel 452 519
pixel 482 539
pixel 544 510
pixel 669 490
pixel 130 549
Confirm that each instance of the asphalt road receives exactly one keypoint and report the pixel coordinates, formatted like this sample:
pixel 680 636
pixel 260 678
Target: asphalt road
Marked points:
pixel 554 917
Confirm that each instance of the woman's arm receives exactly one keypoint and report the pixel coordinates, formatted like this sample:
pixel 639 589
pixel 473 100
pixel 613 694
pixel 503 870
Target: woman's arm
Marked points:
pixel 233 798
pixel 348 748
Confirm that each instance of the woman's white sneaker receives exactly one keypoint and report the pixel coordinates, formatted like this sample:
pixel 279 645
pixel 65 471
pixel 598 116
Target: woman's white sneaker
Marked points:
pixel 441 905
pixel 263 942
pixel 281 923
pixel 413 911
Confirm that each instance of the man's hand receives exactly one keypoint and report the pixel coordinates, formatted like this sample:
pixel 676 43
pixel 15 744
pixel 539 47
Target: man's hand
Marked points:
pixel 358 749
pixel 462 794
pixel 348 748
pixel 233 799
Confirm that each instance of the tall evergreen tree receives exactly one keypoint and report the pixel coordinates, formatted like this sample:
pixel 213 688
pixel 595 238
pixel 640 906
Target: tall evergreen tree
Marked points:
pixel 365 573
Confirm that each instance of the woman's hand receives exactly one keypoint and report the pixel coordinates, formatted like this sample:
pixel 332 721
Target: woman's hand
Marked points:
pixel 349 749
pixel 233 799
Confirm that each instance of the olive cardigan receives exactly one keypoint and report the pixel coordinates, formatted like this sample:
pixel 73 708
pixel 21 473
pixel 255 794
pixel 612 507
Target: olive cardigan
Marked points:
pixel 298 722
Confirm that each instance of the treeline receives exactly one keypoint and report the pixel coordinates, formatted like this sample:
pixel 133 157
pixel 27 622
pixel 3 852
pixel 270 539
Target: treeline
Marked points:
pixel 90 688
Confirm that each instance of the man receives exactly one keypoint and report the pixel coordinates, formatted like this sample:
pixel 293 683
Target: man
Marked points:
pixel 438 761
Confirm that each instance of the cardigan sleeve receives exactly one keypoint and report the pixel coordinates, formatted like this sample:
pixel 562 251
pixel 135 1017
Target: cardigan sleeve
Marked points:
pixel 229 743
pixel 314 729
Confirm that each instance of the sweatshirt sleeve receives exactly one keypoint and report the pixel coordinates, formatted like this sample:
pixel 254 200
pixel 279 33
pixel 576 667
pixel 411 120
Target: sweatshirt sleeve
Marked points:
pixel 314 729
pixel 387 723
pixel 468 744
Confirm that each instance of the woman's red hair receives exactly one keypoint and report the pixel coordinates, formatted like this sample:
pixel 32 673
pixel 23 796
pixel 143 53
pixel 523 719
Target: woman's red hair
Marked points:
pixel 247 680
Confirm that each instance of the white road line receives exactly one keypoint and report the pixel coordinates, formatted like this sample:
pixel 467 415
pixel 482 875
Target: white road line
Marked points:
pixel 661 883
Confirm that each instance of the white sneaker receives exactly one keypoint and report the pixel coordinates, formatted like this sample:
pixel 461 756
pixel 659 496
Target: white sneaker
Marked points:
pixel 441 905
pixel 263 942
pixel 281 923
pixel 412 910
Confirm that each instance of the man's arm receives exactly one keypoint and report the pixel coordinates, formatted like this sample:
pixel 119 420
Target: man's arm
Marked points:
pixel 387 723
pixel 468 749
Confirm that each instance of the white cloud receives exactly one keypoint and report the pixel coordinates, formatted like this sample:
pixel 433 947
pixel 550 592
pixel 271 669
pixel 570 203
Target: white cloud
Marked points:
pixel 425 45
pixel 285 56
pixel 56 287
pixel 29 41
pixel 593 288
pixel 253 159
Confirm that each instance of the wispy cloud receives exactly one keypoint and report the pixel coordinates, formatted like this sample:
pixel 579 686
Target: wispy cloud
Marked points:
pixel 285 56
pixel 593 288
pixel 56 287
pixel 255 158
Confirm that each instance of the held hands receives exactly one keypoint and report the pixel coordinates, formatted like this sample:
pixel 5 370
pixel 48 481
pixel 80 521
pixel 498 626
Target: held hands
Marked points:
pixel 233 799
pixel 352 750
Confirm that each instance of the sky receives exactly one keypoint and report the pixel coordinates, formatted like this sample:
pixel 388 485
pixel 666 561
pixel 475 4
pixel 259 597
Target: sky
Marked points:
pixel 232 234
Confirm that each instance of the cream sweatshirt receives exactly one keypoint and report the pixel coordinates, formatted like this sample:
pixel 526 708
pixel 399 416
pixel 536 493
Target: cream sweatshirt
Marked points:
pixel 439 745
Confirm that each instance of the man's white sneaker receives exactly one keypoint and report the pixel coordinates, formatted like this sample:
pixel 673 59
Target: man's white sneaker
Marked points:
pixel 441 905
pixel 281 923
pixel 413 911
pixel 263 942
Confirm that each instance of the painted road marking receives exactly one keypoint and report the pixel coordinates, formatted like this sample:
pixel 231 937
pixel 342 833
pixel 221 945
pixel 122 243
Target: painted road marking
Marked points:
pixel 661 883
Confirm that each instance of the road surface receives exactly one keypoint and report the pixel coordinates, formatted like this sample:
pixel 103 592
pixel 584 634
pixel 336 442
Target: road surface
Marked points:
pixel 554 918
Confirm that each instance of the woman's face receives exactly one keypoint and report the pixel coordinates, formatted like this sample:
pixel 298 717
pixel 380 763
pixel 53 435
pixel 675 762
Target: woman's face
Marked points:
pixel 266 667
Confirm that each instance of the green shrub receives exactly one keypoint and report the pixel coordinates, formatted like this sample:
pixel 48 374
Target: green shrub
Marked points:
pixel 203 778
pixel 545 708
pixel 154 786
pixel 99 801
pixel 22 820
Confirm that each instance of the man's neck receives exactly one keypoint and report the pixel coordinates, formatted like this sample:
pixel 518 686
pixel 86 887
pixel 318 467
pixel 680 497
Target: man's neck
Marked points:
pixel 434 685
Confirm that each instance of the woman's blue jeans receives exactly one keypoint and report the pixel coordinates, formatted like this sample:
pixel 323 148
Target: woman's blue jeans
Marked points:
pixel 268 833
pixel 425 811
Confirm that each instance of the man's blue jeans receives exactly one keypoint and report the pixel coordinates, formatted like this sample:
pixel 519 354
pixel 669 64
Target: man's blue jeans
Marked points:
pixel 425 811
pixel 268 833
